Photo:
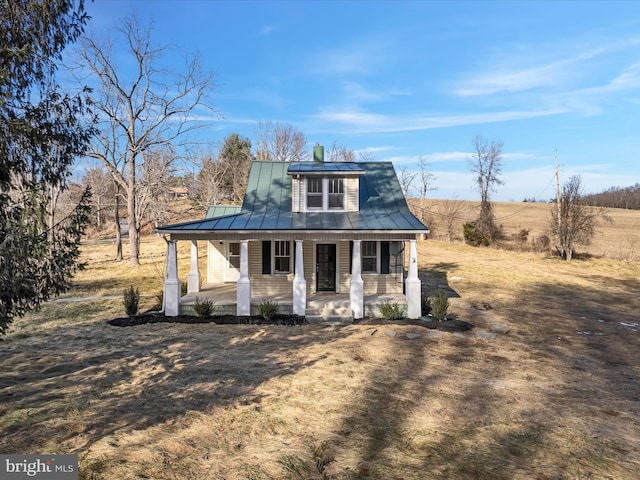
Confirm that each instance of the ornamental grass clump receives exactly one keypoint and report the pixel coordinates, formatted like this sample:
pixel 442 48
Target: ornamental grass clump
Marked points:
pixel 392 311
pixel 203 308
pixel 439 305
pixel 131 301
pixel 268 309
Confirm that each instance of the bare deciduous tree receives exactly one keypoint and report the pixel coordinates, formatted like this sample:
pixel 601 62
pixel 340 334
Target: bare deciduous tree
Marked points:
pixel 577 223
pixel 151 109
pixel 280 142
pixel 210 182
pixel 340 153
pixel 486 164
pixel 406 179
pixel 451 213
pixel 425 179
pixel 102 191
pixel 153 195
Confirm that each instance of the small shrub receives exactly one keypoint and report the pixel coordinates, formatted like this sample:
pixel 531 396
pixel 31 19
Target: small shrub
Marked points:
pixel 131 301
pixel 392 311
pixel 268 309
pixel 542 243
pixel 203 308
pixel 521 238
pixel 439 305
pixel 473 236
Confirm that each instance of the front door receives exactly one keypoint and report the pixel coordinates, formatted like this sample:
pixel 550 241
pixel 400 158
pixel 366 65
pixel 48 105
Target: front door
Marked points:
pixel 326 267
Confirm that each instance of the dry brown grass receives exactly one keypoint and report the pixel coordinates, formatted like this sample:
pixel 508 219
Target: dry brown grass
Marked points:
pixel 619 240
pixel 555 398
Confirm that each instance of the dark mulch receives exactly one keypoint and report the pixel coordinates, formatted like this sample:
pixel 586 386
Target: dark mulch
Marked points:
pixel 451 325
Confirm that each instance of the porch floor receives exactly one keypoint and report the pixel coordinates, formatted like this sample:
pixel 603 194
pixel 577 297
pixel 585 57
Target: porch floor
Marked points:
pixel 318 305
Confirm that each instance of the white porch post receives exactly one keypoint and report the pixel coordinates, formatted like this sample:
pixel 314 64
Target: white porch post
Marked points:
pixel 299 283
pixel 171 282
pixel 356 292
pixel 243 296
pixel 413 284
pixel 193 279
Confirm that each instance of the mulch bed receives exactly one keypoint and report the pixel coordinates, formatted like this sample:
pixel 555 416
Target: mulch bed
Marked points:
pixel 451 325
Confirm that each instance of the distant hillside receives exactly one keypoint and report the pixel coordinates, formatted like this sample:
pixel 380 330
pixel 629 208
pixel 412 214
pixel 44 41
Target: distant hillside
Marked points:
pixel 616 197
pixel 620 239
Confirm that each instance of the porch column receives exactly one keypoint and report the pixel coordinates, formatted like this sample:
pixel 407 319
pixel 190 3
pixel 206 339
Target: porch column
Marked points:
pixel 243 295
pixel 413 284
pixel 171 283
pixel 299 283
pixel 356 292
pixel 193 279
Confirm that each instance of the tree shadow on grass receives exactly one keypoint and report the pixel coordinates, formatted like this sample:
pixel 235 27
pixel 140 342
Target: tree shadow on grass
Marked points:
pixel 75 389
pixel 562 403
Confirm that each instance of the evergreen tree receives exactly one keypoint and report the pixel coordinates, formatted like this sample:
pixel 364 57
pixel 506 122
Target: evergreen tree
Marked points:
pixel 42 131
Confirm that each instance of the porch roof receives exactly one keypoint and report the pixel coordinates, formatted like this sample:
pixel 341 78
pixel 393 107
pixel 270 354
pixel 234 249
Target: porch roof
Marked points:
pixel 267 207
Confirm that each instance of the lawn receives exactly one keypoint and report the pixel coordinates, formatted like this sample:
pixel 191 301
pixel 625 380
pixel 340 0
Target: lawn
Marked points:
pixel 557 397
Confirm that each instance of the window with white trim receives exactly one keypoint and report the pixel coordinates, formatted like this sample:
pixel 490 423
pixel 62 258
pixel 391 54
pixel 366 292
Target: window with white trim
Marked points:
pixel 325 194
pixel 314 193
pixel 282 256
pixel 369 252
pixel 234 254
pixel 336 194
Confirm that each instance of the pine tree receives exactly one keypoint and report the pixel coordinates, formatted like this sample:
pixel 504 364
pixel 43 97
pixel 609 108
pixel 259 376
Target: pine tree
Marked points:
pixel 42 131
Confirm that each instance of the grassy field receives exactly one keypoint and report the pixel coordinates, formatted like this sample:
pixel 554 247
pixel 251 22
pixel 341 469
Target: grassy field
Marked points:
pixel 619 239
pixel 557 397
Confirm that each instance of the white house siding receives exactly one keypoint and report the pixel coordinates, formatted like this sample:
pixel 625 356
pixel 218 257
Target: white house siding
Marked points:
pixel 381 284
pixel 216 262
pixel 309 267
pixel 344 261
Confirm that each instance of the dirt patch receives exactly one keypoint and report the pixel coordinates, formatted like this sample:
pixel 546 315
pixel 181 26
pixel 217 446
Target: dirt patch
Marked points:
pixel 291 320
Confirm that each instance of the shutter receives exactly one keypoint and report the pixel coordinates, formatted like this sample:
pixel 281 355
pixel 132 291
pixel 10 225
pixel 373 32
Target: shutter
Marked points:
pixel 266 257
pixel 384 257
pixel 293 255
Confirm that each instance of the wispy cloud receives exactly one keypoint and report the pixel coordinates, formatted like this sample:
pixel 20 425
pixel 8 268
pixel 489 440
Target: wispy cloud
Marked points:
pixel 360 122
pixel 267 29
pixel 365 56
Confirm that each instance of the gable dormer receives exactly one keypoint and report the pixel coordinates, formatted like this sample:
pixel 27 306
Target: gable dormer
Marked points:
pixel 324 187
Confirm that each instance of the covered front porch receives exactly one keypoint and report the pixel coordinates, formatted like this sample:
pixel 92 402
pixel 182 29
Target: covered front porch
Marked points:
pixel 355 294
pixel 319 306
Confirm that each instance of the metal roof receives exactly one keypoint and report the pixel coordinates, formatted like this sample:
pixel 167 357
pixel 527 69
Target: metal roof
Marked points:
pixel 222 210
pixel 267 205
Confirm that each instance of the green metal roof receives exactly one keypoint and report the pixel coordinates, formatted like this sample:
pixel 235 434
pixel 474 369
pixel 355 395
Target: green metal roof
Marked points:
pixel 222 210
pixel 267 205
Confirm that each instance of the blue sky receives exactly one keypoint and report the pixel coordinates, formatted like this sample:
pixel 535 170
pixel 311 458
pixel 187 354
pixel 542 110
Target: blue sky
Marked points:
pixel 405 80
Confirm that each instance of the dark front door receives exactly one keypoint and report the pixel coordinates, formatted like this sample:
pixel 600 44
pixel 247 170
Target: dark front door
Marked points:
pixel 326 267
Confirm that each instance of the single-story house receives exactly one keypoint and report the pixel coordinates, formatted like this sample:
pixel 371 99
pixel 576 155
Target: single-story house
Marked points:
pixel 307 234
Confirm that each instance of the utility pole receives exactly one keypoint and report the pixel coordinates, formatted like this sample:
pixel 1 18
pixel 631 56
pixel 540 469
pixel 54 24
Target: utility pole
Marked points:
pixel 558 193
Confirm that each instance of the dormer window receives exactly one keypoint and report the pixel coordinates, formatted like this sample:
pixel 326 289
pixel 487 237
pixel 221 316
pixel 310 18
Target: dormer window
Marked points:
pixel 336 194
pixel 314 193
pixel 325 193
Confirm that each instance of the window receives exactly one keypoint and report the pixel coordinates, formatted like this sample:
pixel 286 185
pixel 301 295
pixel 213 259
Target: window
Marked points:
pixel 282 256
pixel 314 193
pixel 325 193
pixel 369 257
pixel 234 255
pixel 336 194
